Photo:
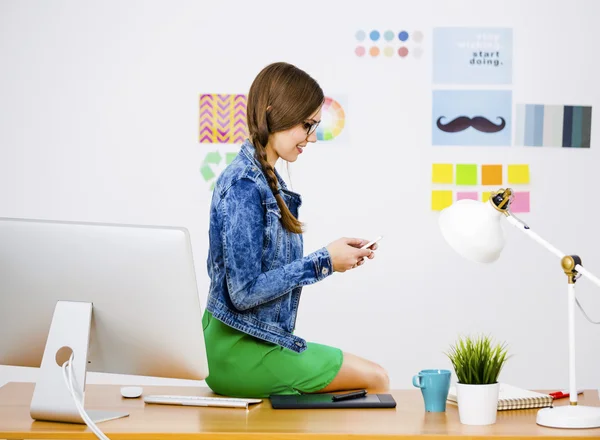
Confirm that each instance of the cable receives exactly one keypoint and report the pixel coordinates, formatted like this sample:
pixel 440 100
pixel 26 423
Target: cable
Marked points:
pixel 78 399
pixel 70 379
pixel 585 314
pixel 580 307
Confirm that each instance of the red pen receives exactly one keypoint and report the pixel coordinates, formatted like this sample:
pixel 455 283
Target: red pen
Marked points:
pixel 562 394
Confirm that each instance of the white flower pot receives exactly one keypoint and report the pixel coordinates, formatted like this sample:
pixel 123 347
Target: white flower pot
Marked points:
pixel 477 404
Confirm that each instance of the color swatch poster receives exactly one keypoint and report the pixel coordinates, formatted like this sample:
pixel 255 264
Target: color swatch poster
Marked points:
pixel 472 55
pixel 471 117
pixel 539 125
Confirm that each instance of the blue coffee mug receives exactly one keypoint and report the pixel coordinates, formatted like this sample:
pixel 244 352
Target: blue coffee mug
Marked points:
pixel 434 385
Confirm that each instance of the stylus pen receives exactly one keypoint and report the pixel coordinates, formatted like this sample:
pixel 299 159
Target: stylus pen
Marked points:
pixel 348 396
pixel 561 394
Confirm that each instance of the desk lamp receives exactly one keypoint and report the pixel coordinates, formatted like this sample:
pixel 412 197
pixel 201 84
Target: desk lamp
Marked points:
pixel 473 229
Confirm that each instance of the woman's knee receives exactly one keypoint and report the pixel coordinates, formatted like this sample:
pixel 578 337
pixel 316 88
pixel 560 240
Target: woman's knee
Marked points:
pixel 357 372
pixel 379 379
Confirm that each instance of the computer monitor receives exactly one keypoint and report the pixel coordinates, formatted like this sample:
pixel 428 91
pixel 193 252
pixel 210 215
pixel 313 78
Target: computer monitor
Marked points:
pixel 122 298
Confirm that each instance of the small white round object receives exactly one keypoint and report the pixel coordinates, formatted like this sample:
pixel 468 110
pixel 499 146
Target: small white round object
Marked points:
pixel 131 392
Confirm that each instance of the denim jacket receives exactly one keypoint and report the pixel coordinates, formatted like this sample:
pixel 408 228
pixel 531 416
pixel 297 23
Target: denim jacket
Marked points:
pixel 256 267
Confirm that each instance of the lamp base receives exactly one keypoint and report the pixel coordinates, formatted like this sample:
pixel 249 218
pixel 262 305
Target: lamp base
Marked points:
pixel 571 416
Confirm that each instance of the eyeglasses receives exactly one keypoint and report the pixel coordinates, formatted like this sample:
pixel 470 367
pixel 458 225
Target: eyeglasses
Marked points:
pixel 310 127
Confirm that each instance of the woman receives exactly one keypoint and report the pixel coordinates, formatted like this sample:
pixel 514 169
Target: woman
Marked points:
pixel 256 262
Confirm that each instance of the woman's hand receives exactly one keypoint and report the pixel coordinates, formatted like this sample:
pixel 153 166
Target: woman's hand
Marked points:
pixel 346 253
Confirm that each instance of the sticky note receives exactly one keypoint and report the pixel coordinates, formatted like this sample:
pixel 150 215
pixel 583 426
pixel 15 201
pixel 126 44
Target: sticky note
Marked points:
pixel 485 196
pixel 491 174
pixel 442 173
pixel 520 202
pixel 518 174
pixel 466 195
pixel 440 199
pixel 466 174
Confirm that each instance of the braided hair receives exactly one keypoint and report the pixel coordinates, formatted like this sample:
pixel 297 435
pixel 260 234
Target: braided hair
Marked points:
pixel 281 97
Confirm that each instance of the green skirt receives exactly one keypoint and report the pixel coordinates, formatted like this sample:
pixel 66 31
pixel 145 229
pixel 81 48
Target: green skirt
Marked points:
pixel 241 365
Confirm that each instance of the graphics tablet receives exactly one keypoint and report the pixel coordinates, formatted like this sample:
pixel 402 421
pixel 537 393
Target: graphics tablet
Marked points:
pixel 307 401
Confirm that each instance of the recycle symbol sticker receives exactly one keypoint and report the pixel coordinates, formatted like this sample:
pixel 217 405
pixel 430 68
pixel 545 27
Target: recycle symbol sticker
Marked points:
pixel 213 165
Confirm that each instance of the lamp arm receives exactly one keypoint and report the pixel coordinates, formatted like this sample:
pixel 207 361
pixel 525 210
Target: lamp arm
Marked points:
pixel 527 231
pixel 586 273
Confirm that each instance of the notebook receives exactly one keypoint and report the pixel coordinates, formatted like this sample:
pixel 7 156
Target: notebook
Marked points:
pixel 511 397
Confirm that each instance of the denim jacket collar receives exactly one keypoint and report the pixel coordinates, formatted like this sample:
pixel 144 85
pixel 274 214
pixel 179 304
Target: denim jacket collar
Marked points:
pixel 248 150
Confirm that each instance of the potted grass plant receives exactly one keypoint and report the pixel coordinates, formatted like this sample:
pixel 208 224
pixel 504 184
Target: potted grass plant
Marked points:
pixel 477 362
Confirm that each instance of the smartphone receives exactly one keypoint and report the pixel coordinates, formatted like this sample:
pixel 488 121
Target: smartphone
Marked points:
pixel 371 243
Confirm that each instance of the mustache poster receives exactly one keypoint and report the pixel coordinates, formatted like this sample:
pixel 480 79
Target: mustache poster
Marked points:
pixel 478 123
pixel 472 117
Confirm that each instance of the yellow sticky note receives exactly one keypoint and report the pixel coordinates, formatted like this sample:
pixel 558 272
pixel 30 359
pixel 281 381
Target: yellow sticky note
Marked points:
pixel 442 173
pixel 518 174
pixel 440 199
pixel 485 196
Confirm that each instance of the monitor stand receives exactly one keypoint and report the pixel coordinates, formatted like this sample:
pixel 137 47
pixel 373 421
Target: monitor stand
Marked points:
pixel 69 333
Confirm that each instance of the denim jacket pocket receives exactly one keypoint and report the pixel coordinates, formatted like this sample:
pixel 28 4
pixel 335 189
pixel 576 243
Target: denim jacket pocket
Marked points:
pixel 273 235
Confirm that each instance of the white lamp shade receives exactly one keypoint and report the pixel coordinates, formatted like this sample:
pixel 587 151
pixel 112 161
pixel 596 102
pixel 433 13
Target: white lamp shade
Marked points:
pixel 473 230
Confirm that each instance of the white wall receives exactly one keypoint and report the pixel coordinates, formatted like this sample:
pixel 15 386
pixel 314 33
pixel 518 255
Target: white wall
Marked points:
pixel 99 122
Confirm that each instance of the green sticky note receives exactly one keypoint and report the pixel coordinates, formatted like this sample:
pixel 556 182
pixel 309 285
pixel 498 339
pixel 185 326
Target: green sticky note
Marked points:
pixel 442 173
pixel 466 174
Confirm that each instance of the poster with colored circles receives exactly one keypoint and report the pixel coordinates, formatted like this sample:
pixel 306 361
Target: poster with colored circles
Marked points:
pixel 399 44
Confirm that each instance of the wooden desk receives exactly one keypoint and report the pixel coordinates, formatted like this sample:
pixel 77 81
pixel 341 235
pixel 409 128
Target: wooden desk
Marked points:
pixel 407 421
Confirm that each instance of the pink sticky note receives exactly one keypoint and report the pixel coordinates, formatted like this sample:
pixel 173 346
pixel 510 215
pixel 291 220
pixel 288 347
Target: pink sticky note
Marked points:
pixel 520 202
pixel 466 195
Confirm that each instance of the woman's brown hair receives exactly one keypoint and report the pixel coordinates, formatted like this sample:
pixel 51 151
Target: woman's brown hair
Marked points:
pixel 281 97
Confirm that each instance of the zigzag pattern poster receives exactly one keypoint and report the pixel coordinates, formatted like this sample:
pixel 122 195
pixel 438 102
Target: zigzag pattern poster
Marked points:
pixel 223 119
